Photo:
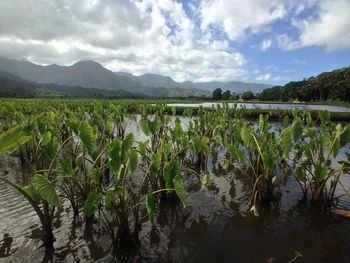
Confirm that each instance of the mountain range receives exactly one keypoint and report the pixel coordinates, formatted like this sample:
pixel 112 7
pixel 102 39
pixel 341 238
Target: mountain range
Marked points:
pixel 92 75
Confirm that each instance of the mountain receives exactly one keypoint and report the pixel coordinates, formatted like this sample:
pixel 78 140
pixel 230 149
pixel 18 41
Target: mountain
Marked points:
pixel 334 85
pixel 155 80
pixel 11 86
pixel 90 74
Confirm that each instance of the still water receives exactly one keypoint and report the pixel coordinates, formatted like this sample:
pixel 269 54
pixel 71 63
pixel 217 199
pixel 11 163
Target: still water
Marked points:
pixel 215 226
pixel 266 106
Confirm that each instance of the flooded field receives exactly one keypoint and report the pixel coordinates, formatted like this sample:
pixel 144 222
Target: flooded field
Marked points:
pixel 215 225
pixel 266 106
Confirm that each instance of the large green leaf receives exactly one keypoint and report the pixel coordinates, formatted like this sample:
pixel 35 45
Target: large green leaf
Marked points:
pixel 115 156
pixel 126 147
pixel 345 136
pixel 12 138
pixel 300 174
pixel 46 190
pixel 143 147
pixel 66 167
pixel 87 137
pixel 92 202
pixel 206 180
pixel 144 127
pixel 297 128
pixel 95 176
pixel 180 189
pixel 286 142
pixel 320 172
pixel 156 161
pixel 171 170
pixel 33 193
pixel 134 156
pixel 150 203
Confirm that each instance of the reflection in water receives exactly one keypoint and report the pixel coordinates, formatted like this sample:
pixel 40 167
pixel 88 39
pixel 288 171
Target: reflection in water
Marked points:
pixel 6 245
pixel 215 226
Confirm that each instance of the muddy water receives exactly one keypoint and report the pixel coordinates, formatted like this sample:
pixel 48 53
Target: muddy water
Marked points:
pixel 266 106
pixel 215 226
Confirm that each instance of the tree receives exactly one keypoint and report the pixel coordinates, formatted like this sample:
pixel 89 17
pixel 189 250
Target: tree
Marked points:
pixel 248 95
pixel 217 94
pixel 226 95
pixel 234 96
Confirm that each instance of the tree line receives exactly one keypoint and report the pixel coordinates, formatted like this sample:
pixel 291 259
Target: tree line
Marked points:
pixel 333 85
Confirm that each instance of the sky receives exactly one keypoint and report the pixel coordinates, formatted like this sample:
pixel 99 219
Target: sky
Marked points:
pixel 265 41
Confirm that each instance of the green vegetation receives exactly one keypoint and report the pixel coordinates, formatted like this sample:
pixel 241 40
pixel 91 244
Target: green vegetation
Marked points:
pixel 82 152
pixel 332 86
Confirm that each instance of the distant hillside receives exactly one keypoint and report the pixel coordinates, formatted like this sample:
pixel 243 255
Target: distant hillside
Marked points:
pixel 90 74
pixel 333 85
pixel 11 86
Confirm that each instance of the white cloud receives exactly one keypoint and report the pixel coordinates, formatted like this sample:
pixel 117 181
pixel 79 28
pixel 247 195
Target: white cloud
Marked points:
pixel 266 44
pixel 264 77
pixel 241 18
pixel 142 36
pixel 270 78
pixel 329 28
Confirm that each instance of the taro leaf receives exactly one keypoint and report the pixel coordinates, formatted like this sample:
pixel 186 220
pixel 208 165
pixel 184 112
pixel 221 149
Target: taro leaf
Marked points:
pixel 285 121
pixel 206 180
pixel 268 159
pixel 109 127
pixel 92 202
pixel 143 147
pixel 12 138
pixel 320 172
pixel 177 132
pixel 144 127
pixel 74 125
pixel 300 174
pixel 345 136
pixel 126 146
pixel 153 126
pixel 325 139
pixel 50 148
pixel 275 180
pixel 246 135
pixel 336 147
pixel 205 145
pixel 150 204
pixel 109 197
pixel 66 167
pixel 156 161
pixel 111 192
pixel 87 137
pixel 311 132
pixel 180 189
pixel 95 176
pixel 33 193
pixel 46 190
pixel 133 161
pixel 297 129
pixel 286 142
pixel 115 156
pixel 171 170
pixel 197 143
pixel 239 154
pixel 46 138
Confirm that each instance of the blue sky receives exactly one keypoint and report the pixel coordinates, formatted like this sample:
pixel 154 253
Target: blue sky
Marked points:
pixel 267 41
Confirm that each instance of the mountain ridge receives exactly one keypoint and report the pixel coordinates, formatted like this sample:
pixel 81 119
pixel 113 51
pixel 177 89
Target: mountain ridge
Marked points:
pixel 91 74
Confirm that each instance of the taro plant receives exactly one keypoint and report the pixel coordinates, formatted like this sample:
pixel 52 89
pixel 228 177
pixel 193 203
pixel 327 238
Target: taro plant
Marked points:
pixel 263 152
pixel 314 152
pixel 40 192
